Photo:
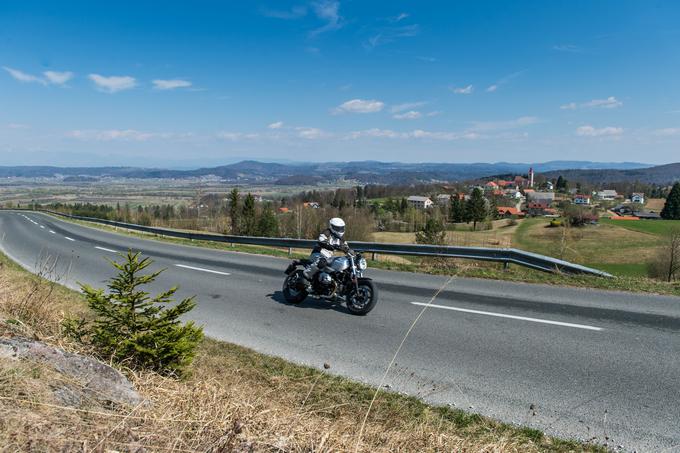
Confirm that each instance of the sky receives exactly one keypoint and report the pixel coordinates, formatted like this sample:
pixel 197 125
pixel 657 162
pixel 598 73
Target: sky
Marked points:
pixel 203 83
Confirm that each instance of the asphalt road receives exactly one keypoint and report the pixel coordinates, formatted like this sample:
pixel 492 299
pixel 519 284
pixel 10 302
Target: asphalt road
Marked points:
pixel 593 364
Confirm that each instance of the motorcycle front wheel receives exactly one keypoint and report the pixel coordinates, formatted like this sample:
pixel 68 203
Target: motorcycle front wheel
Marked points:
pixel 361 302
pixel 291 292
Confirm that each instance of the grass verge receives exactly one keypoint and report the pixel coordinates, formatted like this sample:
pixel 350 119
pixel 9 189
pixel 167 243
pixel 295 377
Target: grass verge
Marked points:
pixel 234 399
pixel 628 275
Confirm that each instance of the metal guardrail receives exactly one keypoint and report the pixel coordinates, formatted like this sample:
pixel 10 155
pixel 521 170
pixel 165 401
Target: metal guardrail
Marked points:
pixel 501 255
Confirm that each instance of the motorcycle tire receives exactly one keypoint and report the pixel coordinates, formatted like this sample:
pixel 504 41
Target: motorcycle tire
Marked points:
pixel 293 295
pixel 367 306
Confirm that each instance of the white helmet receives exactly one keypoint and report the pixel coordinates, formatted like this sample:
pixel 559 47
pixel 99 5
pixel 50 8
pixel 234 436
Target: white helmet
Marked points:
pixel 337 226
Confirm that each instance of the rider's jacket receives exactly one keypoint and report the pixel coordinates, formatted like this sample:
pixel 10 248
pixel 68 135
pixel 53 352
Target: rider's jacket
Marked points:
pixel 328 241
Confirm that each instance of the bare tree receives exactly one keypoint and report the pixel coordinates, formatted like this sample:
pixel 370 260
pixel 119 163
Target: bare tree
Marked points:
pixel 667 263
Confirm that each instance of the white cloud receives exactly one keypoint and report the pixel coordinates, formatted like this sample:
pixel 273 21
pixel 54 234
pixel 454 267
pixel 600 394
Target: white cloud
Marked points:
pixel 24 77
pixel 387 35
pixel 415 134
pixel 113 84
pixel 311 133
pixel 504 80
pixel 58 78
pixel 375 133
pixel 328 11
pixel 17 126
pixel 667 132
pixel 609 103
pixel 410 115
pixel 399 17
pixel 51 77
pixel 128 135
pixel 360 106
pixel 234 136
pixel 463 90
pixel 504 125
pixel 590 131
pixel 171 84
pixel 276 125
pixel 406 106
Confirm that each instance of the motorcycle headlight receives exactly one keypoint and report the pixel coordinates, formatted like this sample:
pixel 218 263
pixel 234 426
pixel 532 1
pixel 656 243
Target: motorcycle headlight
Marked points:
pixel 362 264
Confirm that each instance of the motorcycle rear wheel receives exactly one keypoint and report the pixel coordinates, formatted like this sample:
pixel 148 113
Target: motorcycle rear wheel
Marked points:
pixel 290 292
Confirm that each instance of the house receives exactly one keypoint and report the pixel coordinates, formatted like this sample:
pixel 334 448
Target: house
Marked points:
pixel 419 202
pixel 637 197
pixel 284 210
pixel 607 194
pixel 539 208
pixel 490 185
pixel 311 204
pixel 622 210
pixel 507 211
pixel 443 199
pixel 582 199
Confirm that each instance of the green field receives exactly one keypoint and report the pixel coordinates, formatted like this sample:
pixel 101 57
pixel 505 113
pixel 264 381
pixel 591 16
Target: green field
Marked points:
pixel 657 227
pixel 611 246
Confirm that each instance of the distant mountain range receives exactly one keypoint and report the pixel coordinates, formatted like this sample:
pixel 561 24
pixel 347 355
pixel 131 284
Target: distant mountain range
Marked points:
pixel 365 172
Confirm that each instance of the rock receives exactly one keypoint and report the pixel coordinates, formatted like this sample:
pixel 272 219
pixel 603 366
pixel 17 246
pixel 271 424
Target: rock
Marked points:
pixel 98 380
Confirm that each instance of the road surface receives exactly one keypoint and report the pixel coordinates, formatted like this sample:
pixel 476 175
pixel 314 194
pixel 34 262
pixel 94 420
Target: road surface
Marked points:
pixel 593 364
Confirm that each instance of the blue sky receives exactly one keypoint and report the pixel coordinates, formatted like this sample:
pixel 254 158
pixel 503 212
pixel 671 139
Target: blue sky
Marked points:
pixel 210 82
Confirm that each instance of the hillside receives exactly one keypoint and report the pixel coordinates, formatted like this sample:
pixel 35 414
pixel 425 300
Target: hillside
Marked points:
pixel 661 174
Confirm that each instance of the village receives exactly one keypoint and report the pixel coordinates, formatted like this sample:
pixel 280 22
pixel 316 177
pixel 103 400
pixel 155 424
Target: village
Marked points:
pixel 523 196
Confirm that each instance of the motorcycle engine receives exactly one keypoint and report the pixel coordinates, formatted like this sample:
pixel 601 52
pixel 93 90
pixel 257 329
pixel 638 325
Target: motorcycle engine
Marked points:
pixel 325 285
pixel 325 279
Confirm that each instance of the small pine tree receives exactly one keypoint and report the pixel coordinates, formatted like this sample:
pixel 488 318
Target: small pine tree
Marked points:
pixel 134 328
pixel 403 206
pixel 267 224
pixel 432 233
pixel 234 210
pixel 475 208
pixel 457 211
pixel 671 209
pixel 248 220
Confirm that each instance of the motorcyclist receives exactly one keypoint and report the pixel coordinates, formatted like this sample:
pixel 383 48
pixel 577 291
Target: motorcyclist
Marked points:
pixel 330 239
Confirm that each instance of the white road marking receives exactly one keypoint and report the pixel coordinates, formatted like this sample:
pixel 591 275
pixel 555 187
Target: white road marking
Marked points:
pixel 52 232
pixel 521 318
pixel 69 239
pixel 42 226
pixel 201 269
pixel 105 249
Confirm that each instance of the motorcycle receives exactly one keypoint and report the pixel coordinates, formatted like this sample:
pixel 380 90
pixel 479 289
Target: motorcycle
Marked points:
pixel 340 277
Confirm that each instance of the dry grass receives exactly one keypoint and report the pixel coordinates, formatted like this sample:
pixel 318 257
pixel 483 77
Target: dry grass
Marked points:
pixel 499 236
pixel 234 400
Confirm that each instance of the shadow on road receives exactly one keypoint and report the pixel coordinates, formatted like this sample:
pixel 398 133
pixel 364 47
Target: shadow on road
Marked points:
pixel 309 302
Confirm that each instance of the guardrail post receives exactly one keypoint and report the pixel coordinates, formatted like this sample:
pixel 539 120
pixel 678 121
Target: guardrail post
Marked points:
pixel 290 251
pixel 373 256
